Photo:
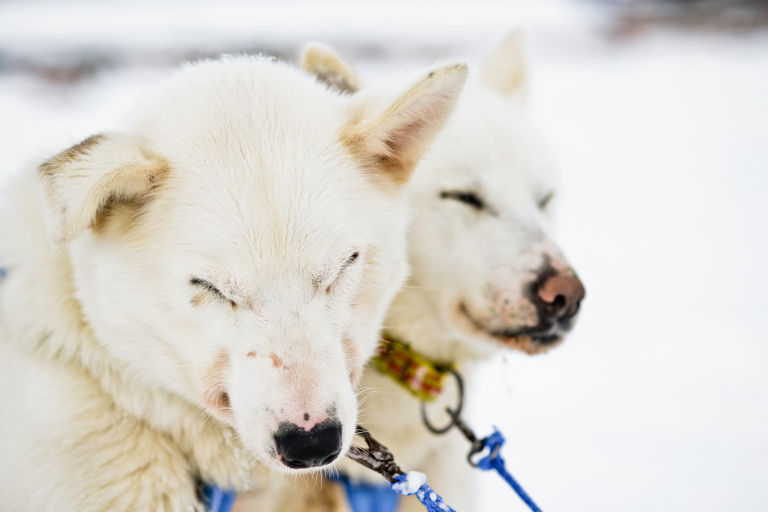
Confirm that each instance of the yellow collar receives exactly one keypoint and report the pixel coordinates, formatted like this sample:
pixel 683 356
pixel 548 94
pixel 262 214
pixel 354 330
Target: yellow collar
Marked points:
pixel 422 377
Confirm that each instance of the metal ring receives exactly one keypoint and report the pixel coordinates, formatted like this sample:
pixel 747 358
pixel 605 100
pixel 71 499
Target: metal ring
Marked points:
pixel 454 414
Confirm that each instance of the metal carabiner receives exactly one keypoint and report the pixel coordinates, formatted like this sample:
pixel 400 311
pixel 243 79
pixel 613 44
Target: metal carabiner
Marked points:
pixel 452 413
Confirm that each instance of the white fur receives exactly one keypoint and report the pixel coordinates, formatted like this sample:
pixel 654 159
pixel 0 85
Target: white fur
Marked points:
pixel 123 379
pixel 483 259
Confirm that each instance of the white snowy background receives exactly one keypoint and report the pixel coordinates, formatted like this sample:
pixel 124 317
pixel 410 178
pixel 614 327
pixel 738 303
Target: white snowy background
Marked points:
pixel 659 399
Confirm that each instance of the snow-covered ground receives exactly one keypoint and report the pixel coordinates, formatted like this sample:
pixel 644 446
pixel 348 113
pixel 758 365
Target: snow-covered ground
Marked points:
pixel 659 399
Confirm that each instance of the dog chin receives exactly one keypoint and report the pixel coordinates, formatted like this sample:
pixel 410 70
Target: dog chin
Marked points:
pixel 529 343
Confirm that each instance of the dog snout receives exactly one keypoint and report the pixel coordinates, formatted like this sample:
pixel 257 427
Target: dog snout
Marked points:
pixel 301 449
pixel 560 295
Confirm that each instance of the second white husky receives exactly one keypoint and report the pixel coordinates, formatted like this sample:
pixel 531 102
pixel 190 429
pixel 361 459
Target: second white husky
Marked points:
pixel 486 273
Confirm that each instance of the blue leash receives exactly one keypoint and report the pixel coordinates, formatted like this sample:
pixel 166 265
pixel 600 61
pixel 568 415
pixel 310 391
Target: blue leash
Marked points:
pixel 494 460
pixel 407 486
pixel 494 442
pixel 378 458
pixel 217 499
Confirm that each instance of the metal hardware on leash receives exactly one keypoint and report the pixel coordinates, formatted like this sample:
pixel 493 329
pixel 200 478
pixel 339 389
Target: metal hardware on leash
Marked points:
pixel 494 442
pixel 477 445
pixel 454 414
pixel 376 457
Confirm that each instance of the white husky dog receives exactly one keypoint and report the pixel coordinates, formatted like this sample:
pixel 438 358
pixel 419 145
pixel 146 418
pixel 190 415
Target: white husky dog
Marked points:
pixel 486 274
pixel 193 298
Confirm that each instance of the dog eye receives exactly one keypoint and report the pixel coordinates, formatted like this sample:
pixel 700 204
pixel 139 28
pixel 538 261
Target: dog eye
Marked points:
pixel 544 201
pixel 202 283
pixel 348 263
pixel 469 198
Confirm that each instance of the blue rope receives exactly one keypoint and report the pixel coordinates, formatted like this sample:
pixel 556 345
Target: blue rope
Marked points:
pixel 494 442
pixel 429 498
pixel 217 499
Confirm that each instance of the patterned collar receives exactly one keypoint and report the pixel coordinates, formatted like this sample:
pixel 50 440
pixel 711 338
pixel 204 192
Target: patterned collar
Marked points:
pixel 422 377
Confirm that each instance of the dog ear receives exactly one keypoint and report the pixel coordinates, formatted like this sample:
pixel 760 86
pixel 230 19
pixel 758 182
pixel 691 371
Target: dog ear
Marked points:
pixel 392 142
pixel 506 69
pixel 320 60
pixel 80 183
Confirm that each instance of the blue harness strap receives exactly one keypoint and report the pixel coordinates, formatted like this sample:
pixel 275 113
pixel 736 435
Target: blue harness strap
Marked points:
pixel 494 460
pixel 217 499
pixel 365 497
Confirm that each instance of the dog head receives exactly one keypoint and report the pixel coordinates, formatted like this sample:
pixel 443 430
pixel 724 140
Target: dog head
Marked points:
pixel 239 242
pixel 485 269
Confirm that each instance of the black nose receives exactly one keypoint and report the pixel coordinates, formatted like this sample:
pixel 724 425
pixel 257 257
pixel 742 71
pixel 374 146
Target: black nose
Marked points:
pixel 302 449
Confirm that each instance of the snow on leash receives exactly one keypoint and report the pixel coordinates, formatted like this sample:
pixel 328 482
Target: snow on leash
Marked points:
pixel 378 458
pixel 416 483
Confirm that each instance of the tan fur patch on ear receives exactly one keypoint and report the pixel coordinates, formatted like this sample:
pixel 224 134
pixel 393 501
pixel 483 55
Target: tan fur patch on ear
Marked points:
pixel 329 68
pixel 394 142
pixel 116 217
pixel 81 183
pixel 76 152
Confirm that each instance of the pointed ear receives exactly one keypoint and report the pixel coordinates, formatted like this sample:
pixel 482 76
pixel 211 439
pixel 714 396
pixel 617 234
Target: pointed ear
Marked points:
pixel 82 182
pixel 321 61
pixel 392 142
pixel 506 70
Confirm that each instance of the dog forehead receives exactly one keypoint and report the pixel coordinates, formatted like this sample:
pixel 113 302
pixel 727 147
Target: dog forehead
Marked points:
pixel 245 110
pixel 257 167
pixel 258 224
pixel 490 144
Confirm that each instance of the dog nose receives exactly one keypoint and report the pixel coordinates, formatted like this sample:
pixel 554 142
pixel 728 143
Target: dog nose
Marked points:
pixel 561 295
pixel 308 449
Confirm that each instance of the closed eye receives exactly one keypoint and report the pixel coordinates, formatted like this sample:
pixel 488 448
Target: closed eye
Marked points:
pixel 202 283
pixel 352 258
pixel 469 198
pixel 544 201
pixel 348 263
